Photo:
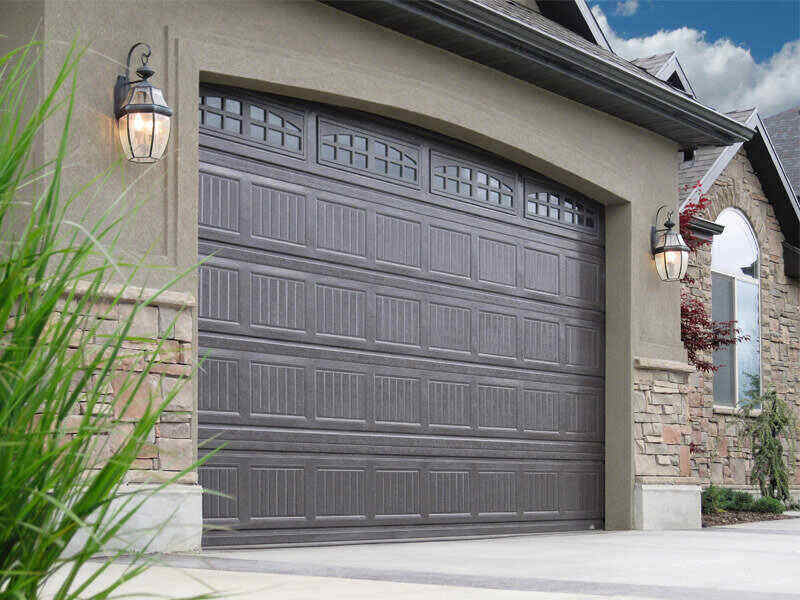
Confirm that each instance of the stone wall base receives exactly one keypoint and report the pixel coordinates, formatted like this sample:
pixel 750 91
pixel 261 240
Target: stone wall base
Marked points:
pixel 659 507
pixel 169 520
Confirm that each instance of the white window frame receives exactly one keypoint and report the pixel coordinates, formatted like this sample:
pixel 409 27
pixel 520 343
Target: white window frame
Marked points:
pixel 723 408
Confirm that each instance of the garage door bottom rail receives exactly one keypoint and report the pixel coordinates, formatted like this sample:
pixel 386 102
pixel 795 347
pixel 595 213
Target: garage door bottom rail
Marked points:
pixel 283 537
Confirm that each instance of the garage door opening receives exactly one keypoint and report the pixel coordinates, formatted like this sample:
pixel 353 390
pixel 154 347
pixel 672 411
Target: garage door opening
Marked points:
pixel 403 334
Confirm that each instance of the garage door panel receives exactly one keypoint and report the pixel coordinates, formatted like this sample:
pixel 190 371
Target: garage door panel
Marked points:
pixel 275 491
pixel 257 301
pixel 232 256
pixel 335 227
pixel 403 336
pixel 239 388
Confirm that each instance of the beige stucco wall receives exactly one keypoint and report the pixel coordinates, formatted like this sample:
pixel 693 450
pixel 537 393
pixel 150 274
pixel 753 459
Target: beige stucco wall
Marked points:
pixel 312 51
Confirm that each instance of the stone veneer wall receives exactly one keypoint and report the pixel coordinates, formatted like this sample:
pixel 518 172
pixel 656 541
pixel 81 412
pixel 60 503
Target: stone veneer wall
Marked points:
pixel 720 457
pixel 170 448
pixel 662 427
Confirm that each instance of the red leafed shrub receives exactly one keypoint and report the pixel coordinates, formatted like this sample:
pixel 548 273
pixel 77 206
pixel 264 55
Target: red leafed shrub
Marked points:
pixel 699 333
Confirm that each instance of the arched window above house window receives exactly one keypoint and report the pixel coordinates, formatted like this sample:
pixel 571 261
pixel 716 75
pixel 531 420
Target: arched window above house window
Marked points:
pixel 735 293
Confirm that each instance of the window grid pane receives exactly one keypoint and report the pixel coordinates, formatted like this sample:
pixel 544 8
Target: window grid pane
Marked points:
pixel 254 122
pixel 472 184
pixel 563 209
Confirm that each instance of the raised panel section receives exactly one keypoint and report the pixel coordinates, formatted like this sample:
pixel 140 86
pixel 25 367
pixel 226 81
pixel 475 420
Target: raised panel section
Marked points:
pixel 218 385
pixel 581 412
pixel 397 399
pixel 277 492
pixel 398 241
pixel 541 340
pixel 580 492
pixel 277 302
pixel 341 228
pixel 539 492
pixel 497 406
pixel 340 493
pixel 223 480
pixel 541 271
pixel 583 280
pixel 341 311
pixel 497 262
pixel 498 492
pixel 219 293
pixel 397 493
pixel 450 251
pixel 449 403
pixel 397 320
pixel 340 394
pixel 583 346
pixel 450 327
pixel 277 390
pixel 218 202
pixel 498 334
pixel 449 492
pixel 539 410
pixel 278 215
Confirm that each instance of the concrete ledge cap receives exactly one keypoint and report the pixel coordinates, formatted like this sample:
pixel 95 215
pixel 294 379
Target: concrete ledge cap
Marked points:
pixel 668 487
pixel 659 364
pixel 667 481
pixel 132 294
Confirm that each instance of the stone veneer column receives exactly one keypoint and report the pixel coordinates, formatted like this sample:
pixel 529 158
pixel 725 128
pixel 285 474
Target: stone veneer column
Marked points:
pixel 171 518
pixel 666 496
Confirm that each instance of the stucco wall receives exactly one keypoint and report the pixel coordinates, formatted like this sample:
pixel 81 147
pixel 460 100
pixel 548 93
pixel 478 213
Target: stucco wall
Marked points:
pixel 312 51
pixel 721 456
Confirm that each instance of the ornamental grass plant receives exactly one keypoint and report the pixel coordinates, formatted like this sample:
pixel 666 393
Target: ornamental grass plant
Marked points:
pixel 62 498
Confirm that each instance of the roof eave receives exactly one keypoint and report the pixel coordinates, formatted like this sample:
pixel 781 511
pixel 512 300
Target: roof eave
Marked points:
pixel 655 107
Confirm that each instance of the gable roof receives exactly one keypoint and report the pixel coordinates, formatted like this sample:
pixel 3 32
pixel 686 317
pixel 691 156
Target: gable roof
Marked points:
pixel 784 130
pixel 709 162
pixel 576 16
pixel 666 67
pixel 524 43
pixel 652 64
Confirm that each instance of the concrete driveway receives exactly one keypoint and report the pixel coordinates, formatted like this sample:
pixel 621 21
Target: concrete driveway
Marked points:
pixel 746 562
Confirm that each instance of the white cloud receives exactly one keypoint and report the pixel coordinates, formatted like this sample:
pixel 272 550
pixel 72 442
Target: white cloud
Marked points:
pixel 627 7
pixel 724 75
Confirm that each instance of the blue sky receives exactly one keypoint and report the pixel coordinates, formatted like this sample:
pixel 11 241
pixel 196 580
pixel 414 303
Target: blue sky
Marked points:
pixel 763 26
pixel 736 53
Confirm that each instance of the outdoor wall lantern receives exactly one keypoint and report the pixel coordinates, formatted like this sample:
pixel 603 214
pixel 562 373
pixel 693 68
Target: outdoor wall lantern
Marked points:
pixel 669 250
pixel 143 117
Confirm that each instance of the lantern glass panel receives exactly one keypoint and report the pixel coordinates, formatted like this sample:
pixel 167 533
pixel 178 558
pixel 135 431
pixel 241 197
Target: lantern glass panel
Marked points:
pixel 140 133
pixel 158 97
pixel 661 266
pixel 122 128
pixel 161 135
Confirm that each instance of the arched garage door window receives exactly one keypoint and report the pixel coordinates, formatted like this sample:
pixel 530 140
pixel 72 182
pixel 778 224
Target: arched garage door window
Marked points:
pixel 735 296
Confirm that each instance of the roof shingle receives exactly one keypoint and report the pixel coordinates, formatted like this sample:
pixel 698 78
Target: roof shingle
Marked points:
pixel 784 131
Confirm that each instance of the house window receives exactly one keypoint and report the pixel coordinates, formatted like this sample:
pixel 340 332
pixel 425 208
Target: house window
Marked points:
pixel 735 296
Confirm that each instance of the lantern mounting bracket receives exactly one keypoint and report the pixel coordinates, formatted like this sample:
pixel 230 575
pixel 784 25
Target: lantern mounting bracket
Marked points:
pixel 124 81
pixel 668 225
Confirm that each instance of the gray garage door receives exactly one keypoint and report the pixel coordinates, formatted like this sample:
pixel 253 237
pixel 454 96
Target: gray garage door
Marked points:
pixel 404 335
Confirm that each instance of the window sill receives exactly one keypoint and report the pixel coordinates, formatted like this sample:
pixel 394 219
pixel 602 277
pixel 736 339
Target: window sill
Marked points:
pixel 730 410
